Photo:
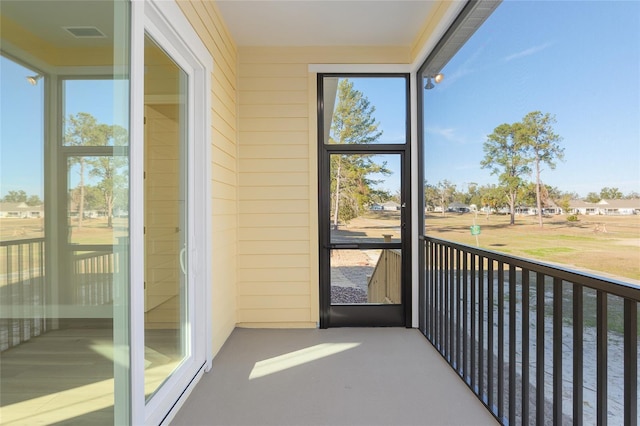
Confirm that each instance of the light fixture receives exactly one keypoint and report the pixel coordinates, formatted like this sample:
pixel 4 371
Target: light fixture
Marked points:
pixel 429 85
pixel 437 78
pixel 33 79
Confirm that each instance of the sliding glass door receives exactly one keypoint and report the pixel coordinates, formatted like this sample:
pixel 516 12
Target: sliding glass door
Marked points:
pixel 64 213
pixel 103 211
pixel 173 206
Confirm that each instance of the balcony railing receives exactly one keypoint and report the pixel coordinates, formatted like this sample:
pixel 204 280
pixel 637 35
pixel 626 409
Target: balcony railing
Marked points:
pixel 537 344
pixel 25 293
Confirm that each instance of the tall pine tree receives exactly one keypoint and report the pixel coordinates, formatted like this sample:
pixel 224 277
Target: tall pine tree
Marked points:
pixel 353 123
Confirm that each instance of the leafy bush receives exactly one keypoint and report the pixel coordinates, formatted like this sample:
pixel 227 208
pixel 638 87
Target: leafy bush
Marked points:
pixel 572 218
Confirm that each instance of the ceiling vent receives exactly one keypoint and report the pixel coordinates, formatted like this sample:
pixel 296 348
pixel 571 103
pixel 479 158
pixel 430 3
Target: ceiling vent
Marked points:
pixel 85 32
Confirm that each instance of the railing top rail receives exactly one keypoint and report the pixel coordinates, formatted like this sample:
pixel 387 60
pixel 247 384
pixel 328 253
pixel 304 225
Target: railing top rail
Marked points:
pixel 609 285
pixel 22 241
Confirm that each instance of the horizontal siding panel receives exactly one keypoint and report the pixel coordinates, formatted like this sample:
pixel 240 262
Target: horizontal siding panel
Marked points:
pixel 270 207
pixel 273 261
pixel 273 247
pixel 288 233
pixel 222 108
pixel 227 97
pixel 224 191
pixel 274 193
pixel 273 315
pixel 275 151
pixel 274 165
pixel 274 138
pixel 223 222
pixel 274 289
pixel 227 130
pixel 274 179
pixel 222 174
pixel 227 42
pixel 273 302
pixel 222 158
pixel 223 142
pixel 262 97
pixel 274 83
pixel 273 70
pixel 223 84
pixel 223 240
pixel 224 207
pixel 198 15
pixel 260 276
pixel 274 220
pixel 274 124
pixel 271 111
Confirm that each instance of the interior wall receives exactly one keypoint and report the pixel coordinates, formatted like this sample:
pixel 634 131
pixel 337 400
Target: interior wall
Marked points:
pixel 207 21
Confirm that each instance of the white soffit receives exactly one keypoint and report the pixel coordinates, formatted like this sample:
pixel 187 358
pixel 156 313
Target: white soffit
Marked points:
pixel 326 22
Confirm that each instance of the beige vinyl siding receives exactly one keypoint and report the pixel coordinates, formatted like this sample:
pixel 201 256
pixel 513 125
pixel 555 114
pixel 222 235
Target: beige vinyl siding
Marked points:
pixel 278 231
pixel 264 167
pixel 207 21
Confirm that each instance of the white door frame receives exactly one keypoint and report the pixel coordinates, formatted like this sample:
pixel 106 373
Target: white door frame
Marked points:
pixel 164 21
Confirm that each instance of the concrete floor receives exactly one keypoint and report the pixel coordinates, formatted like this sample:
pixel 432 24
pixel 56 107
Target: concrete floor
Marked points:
pixel 340 376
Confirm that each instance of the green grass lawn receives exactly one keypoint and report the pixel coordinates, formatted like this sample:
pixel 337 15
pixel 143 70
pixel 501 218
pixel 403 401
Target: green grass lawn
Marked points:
pixel 598 244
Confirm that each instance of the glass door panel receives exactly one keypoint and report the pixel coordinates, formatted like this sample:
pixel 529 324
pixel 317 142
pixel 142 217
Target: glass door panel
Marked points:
pixel 64 275
pixel 365 198
pixel 371 276
pixel 365 228
pixel 363 152
pixel 166 262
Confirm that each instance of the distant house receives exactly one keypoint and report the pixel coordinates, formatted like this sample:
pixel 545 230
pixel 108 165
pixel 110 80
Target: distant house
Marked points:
pixel 391 206
pixel 620 207
pixel 458 207
pixel 606 207
pixel 20 211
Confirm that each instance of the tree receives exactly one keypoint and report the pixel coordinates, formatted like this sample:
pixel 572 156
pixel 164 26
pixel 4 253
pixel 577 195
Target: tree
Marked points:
pixel 506 156
pixel 492 197
pixel 430 196
pixel 109 169
pixel 472 196
pixel 33 200
pixel 353 123
pixel 564 202
pixel 592 197
pixel 15 197
pixel 542 145
pixel 82 130
pixel 607 193
pixel 445 192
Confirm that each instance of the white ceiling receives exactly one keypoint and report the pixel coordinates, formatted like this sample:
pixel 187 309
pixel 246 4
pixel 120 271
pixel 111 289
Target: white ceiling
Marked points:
pixel 325 22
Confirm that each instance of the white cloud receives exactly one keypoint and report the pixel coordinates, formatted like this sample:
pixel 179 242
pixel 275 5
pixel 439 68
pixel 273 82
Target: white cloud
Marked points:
pixel 448 134
pixel 528 52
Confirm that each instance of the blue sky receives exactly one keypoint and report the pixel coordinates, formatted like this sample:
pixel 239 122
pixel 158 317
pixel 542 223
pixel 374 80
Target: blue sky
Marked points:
pixel 577 60
pixel 22 148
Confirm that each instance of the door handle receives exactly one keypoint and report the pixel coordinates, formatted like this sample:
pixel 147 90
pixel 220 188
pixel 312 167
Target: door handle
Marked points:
pixel 344 246
pixel 183 252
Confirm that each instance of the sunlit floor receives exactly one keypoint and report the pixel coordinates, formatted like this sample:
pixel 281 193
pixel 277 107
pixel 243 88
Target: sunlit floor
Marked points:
pixel 66 376
pixel 343 376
